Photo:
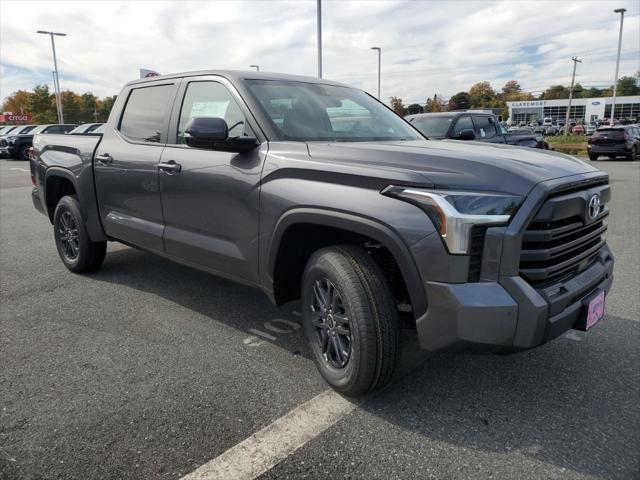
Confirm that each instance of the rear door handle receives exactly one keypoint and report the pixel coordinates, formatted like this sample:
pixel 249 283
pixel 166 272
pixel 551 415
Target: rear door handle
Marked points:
pixel 170 167
pixel 104 159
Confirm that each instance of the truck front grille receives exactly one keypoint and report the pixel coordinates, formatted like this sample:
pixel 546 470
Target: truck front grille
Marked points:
pixel 563 240
pixel 3 143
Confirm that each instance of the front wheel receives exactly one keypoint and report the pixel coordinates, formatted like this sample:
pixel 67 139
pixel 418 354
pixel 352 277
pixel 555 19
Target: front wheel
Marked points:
pixel 76 249
pixel 350 319
pixel 633 155
pixel 23 153
pixel 593 157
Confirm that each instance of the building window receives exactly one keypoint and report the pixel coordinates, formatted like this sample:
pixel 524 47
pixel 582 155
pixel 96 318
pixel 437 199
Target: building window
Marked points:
pixel 629 111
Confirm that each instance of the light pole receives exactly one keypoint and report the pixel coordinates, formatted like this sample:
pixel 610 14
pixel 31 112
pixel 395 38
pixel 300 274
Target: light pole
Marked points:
pixel 379 55
pixel 257 67
pixel 56 83
pixel 615 81
pixel 319 27
pixel 573 79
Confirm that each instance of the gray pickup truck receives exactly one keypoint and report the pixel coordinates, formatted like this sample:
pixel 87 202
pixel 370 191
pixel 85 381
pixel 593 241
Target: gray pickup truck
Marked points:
pixel 309 189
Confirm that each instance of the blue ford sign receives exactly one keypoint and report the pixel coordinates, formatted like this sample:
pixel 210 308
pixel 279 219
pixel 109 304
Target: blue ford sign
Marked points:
pixel 595 103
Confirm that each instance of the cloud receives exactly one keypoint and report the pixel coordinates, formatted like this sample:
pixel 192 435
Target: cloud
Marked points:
pixel 427 46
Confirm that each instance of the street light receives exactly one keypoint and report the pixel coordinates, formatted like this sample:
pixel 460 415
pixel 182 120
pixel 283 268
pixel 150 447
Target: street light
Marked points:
pixel 615 81
pixel 56 83
pixel 257 67
pixel 319 33
pixel 379 55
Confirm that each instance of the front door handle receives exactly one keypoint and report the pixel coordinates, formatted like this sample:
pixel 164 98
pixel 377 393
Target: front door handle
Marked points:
pixel 171 166
pixel 104 159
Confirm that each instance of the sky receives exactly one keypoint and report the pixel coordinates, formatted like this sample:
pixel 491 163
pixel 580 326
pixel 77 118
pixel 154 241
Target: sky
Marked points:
pixel 428 47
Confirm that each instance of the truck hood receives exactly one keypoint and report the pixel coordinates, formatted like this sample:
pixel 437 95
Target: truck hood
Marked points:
pixel 455 164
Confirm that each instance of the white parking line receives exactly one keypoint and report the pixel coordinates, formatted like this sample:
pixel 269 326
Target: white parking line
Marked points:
pixel 269 446
pixel 20 169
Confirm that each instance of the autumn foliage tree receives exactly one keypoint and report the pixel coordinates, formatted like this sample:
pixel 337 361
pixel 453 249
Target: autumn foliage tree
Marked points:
pixel 41 104
pixel 397 106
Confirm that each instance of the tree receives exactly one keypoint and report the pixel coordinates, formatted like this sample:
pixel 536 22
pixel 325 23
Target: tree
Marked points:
pixel 17 103
pixel 397 106
pixel 628 86
pixel 554 92
pixel 460 101
pixel 104 108
pixel 41 104
pixel 482 95
pixel 71 107
pixel 511 87
pixel 436 104
pixel 88 107
pixel 415 108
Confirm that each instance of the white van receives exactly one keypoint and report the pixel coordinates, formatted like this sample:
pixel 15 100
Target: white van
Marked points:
pixel 547 122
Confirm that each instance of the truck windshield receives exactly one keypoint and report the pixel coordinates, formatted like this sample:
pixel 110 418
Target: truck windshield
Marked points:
pixel 317 112
pixel 432 127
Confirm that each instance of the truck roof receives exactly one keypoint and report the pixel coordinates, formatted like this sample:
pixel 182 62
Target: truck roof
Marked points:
pixel 241 75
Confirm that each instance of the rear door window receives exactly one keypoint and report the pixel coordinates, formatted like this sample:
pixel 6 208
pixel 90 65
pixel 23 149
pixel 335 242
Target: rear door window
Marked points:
pixel 146 113
pixel 484 127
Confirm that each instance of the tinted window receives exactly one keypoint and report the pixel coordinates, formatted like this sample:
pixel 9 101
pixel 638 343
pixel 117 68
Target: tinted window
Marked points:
pixel 25 130
pixel 463 123
pixel 52 129
pixel 484 127
pixel 432 127
pixel 211 99
pixel 146 113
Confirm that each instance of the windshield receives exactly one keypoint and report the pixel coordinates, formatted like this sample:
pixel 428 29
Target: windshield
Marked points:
pixel 310 111
pixel 432 127
pixel 24 130
pixel 5 130
pixel 38 129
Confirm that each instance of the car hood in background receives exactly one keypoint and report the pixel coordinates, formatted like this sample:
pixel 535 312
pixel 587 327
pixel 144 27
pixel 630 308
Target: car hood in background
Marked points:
pixel 454 164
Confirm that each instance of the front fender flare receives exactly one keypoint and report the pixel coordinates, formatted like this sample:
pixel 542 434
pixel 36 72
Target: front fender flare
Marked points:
pixel 360 225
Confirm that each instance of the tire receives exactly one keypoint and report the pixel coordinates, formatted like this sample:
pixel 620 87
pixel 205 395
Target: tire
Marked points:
pixel 593 157
pixel 363 307
pixel 23 153
pixel 633 155
pixel 77 251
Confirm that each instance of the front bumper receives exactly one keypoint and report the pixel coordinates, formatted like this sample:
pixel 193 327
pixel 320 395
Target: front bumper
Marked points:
pixel 503 308
pixel 508 313
pixel 7 151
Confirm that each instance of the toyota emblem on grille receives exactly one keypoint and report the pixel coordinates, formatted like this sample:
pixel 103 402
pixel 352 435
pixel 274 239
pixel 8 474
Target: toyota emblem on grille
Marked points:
pixel 594 206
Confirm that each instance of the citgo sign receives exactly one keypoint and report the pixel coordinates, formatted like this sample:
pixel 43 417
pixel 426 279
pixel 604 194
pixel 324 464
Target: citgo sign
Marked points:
pixel 10 118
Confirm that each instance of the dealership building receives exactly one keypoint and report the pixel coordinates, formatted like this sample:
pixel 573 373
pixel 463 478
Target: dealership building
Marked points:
pixel 582 109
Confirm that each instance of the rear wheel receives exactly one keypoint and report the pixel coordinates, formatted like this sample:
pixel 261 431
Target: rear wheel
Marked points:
pixel 23 154
pixel 350 319
pixel 593 157
pixel 77 251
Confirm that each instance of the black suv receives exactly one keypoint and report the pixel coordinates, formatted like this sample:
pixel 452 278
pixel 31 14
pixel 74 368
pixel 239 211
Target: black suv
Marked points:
pixel 18 145
pixel 470 125
pixel 618 141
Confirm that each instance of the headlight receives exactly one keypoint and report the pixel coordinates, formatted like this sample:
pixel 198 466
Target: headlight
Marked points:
pixel 11 139
pixel 455 213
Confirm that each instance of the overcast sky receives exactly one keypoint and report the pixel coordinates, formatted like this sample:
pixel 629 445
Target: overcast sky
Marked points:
pixel 427 46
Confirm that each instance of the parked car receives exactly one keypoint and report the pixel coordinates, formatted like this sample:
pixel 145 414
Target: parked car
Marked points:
pixel 17 146
pixel 85 128
pixel 578 130
pixel 591 129
pixel 5 129
pixel 540 130
pixel 306 188
pixel 482 127
pixel 617 141
pixel 551 131
pixel 12 135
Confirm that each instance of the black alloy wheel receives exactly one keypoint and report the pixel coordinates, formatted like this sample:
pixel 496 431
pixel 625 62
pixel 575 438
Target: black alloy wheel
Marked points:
pixel 330 320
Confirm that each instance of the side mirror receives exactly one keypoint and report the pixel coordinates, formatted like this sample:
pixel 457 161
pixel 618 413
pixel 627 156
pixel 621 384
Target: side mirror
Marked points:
pixel 467 135
pixel 206 129
pixel 213 133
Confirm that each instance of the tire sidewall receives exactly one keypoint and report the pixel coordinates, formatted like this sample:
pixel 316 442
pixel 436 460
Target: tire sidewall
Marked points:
pixel 23 153
pixel 70 204
pixel 345 378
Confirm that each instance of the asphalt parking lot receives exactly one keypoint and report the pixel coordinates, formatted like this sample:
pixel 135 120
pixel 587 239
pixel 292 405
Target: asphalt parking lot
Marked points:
pixel 147 369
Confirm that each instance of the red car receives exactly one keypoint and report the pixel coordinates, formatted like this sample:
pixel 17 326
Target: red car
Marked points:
pixel 578 130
